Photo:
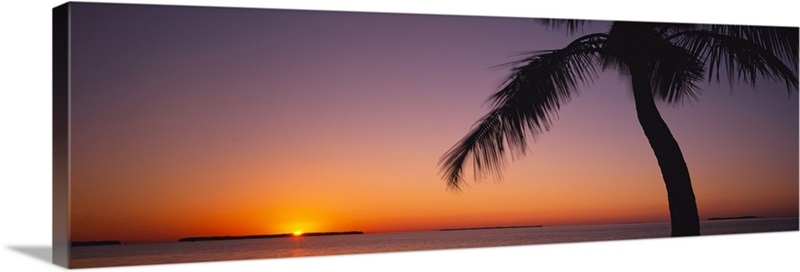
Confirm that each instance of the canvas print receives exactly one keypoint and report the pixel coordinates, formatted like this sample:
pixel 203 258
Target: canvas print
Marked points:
pixel 186 134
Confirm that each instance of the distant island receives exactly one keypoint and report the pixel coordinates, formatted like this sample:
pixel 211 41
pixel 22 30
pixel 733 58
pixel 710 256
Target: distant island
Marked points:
pixel 733 218
pixel 265 236
pixel 95 243
pixel 482 228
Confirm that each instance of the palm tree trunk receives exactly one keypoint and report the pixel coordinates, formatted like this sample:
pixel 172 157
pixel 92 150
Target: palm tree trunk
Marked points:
pixel 682 204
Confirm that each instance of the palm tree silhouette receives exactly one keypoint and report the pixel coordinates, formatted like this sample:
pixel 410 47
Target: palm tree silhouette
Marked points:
pixel 664 61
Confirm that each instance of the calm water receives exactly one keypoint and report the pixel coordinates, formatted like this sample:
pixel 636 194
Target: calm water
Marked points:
pixel 95 256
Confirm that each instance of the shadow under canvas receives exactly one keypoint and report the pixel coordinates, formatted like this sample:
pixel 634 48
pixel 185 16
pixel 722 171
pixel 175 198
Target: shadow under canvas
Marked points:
pixel 42 253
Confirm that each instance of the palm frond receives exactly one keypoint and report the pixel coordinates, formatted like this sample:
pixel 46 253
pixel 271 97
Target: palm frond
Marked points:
pixel 669 29
pixel 674 73
pixel 744 59
pixel 526 103
pixel 780 41
pixel 572 25
pixel 673 70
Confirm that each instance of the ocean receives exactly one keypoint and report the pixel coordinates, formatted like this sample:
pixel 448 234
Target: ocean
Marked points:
pixel 160 253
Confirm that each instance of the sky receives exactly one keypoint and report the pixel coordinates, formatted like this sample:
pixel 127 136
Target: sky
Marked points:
pixel 199 122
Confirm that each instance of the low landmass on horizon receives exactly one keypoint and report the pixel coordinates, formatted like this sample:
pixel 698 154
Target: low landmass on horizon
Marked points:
pixel 482 228
pixel 96 243
pixel 733 218
pixel 265 236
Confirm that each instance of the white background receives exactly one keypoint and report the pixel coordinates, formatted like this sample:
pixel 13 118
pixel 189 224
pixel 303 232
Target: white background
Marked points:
pixel 25 153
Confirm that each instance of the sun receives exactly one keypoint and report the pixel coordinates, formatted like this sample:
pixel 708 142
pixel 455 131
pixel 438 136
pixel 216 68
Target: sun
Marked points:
pixel 297 233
